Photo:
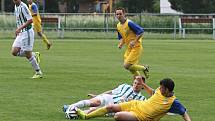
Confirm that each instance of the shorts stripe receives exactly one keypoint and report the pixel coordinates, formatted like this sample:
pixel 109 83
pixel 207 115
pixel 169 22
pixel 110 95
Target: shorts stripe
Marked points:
pixel 29 39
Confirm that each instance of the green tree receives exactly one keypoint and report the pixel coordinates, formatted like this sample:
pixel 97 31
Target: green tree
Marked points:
pixel 193 6
pixel 137 6
pixel 51 6
pixel 9 6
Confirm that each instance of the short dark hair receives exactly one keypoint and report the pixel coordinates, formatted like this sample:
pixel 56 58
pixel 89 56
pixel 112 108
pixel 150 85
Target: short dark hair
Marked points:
pixel 143 78
pixel 120 8
pixel 168 83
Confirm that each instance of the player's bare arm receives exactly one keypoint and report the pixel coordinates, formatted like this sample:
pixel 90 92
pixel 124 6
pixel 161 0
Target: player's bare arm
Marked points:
pixel 121 43
pixel 148 89
pixel 28 22
pixel 134 42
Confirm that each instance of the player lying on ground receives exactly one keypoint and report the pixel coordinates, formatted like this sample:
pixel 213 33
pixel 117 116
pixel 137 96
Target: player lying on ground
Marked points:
pixel 122 93
pixel 152 109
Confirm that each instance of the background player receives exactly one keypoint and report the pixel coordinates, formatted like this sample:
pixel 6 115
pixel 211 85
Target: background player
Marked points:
pixel 131 34
pixel 23 44
pixel 37 22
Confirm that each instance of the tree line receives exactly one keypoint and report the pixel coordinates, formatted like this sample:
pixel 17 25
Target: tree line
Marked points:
pixel 132 6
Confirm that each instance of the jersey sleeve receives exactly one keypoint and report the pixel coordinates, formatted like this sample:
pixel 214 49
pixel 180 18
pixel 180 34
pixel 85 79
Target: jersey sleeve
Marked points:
pixel 119 36
pixel 136 28
pixel 177 108
pixel 34 8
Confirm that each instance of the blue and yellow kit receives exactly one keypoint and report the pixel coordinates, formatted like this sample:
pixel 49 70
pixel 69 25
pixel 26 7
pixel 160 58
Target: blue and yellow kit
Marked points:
pixel 36 17
pixel 127 32
pixel 154 108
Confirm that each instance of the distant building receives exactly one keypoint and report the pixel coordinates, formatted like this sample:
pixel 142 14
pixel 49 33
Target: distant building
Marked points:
pixel 165 7
pixel 89 6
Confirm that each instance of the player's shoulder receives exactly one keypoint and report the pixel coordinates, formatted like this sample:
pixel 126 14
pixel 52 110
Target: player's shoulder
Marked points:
pixel 129 20
pixel 131 23
pixel 124 85
pixel 22 4
pixel 34 4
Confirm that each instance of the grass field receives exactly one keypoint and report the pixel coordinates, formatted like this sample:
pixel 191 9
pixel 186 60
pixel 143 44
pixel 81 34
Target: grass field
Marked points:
pixel 74 68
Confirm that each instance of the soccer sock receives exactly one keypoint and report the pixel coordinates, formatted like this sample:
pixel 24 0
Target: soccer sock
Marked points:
pixel 34 63
pixel 135 73
pixel 99 112
pixel 45 39
pixel 21 53
pixel 82 103
pixel 137 67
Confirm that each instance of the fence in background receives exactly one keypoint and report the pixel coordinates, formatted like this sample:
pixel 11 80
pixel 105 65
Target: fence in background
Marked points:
pixel 152 23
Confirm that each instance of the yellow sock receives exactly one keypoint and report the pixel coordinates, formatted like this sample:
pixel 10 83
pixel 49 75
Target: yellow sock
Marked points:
pixel 137 68
pixel 135 73
pixel 45 39
pixel 99 112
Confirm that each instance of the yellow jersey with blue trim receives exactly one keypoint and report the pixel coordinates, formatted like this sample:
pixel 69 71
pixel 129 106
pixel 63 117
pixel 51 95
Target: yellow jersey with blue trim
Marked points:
pixel 154 108
pixel 128 32
pixel 35 13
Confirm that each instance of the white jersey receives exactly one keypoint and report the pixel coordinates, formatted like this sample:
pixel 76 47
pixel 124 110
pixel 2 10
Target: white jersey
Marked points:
pixel 125 92
pixel 22 14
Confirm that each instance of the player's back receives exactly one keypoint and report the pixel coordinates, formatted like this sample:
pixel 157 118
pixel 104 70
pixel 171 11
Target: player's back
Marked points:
pixel 156 106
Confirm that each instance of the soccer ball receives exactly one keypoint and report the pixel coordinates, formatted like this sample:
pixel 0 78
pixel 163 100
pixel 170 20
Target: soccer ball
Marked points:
pixel 71 113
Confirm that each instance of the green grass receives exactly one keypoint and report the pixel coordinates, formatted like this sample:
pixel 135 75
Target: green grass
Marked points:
pixel 72 69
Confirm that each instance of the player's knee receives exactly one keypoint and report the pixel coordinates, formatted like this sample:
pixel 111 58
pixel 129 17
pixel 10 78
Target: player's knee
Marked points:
pixel 117 117
pixel 126 66
pixel 110 108
pixel 14 53
pixel 39 33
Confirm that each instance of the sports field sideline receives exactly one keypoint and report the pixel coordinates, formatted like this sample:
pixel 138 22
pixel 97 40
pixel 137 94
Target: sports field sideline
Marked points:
pixel 74 68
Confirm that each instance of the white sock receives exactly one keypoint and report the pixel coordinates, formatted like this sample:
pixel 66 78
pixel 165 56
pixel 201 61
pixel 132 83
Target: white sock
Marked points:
pixel 34 64
pixel 82 103
pixel 21 53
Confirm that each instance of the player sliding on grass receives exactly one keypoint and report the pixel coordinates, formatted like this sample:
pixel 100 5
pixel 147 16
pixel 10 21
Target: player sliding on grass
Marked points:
pixel 130 34
pixel 23 44
pixel 37 22
pixel 161 102
pixel 122 93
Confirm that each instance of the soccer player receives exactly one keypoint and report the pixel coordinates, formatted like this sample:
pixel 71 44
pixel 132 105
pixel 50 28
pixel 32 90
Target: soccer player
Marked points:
pixel 130 34
pixel 123 93
pixel 23 44
pixel 37 22
pixel 161 102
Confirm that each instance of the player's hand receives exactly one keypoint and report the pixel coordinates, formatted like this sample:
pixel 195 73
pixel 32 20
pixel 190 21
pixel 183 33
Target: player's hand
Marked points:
pixel 133 43
pixel 17 31
pixel 120 45
pixel 122 99
pixel 91 95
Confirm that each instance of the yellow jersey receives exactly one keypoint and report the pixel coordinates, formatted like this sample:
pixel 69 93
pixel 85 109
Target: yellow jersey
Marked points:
pixel 128 32
pixel 154 108
pixel 35 13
